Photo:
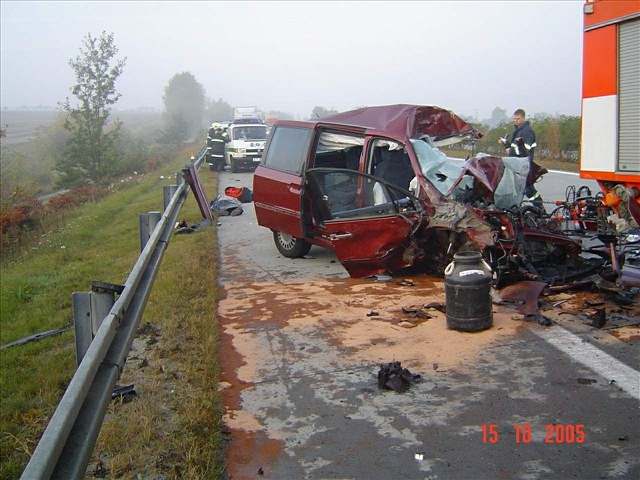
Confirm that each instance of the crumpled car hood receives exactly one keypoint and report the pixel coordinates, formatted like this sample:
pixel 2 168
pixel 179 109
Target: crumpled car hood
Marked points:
pixel 503 179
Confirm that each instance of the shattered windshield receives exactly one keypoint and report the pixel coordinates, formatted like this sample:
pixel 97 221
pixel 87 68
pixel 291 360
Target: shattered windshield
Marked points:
pixel 510 190
pixel 439 169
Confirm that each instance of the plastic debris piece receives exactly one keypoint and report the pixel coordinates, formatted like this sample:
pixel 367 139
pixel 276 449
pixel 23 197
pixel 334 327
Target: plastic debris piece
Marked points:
pixel 243 194
pixel 392 376
pixel 381 278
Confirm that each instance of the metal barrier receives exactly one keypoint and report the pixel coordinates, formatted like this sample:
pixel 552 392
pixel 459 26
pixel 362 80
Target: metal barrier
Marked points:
pixel 102 347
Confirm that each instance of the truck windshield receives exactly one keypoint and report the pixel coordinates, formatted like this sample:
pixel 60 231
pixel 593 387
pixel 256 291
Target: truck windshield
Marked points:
pixel 255 132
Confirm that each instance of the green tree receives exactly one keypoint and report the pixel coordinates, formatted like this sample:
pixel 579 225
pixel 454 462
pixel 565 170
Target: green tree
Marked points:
pixel 218 111
pixel 184 104
pixel 570 131
pixel 90 152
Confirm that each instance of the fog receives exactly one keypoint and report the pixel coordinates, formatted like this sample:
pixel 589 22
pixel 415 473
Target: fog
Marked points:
pixel 289 56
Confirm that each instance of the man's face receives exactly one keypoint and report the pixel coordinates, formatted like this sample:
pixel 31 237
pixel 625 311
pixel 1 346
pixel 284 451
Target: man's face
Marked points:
pixel 518 120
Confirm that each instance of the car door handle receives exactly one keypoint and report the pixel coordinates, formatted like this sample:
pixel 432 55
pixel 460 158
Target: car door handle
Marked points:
pixel 295 189
pixel 340 236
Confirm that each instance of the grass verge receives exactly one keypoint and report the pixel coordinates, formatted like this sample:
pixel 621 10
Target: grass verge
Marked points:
pixel 171 429
pixel 100 242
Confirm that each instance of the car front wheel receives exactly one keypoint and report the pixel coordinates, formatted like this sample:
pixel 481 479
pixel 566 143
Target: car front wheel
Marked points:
pixel 290 246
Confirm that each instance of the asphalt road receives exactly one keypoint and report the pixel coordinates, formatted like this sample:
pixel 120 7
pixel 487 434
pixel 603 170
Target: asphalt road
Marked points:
pixel 300 349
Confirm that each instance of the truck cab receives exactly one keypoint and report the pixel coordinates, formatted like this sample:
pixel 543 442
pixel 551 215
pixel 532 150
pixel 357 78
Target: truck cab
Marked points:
pixel 245 145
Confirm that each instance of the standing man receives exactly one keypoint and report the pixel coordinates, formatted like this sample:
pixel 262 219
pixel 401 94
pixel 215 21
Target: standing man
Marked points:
pixel 215 147
pixel 522 143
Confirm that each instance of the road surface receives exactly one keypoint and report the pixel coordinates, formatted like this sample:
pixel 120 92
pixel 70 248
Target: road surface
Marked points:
pixel 299 353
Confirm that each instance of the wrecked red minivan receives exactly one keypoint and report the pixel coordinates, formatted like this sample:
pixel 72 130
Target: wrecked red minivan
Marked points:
pixel 372 185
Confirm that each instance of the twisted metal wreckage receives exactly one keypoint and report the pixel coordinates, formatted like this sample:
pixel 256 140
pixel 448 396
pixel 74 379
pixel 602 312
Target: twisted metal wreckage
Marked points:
pixel 480 205
pixel 449 206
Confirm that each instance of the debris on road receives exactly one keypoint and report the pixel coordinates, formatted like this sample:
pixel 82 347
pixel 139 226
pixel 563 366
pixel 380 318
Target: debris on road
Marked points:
pixel 243 194
pixel 416 311
pixel 381 278
pixel 224 206
pixel 439 306
pixel 599 318
pixel 525 295
pixel 183 227
pixel 392 376
pixel 586 381
pixel 406 324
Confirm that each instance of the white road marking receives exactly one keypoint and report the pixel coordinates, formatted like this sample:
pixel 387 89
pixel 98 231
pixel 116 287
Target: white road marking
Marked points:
pixel 593 358
pixel 564 173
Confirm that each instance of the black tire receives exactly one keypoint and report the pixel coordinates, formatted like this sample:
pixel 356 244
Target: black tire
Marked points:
pixel 290 246
pixel 234 166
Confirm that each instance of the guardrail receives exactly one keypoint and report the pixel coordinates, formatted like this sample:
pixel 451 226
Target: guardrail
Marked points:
pixel 102 345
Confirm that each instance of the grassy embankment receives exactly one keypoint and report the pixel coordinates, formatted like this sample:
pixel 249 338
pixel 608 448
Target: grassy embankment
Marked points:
pixel 100 242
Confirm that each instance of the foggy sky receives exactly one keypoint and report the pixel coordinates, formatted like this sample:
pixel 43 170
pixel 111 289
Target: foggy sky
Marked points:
pixel 465 56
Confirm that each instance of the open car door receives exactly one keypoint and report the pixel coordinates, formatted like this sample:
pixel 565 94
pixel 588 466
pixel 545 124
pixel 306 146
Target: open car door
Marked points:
pixel 368 221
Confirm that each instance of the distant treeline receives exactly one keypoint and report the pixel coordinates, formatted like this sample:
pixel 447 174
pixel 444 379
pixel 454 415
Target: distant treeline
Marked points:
pixel 557 137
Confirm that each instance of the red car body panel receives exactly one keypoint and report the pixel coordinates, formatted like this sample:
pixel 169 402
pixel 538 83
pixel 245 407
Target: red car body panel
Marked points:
pixel 277 199
pixel 373 244
pixel 407 121
pixel 369 245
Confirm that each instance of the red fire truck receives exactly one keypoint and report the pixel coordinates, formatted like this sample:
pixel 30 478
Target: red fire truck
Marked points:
pixel 611 101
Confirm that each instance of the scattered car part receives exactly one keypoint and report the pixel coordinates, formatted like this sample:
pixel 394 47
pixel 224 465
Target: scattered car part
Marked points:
pixel 244 194
pixel 35 337
pixel 226 206
pixel 124 393
pixel 191 177
pixel 392 376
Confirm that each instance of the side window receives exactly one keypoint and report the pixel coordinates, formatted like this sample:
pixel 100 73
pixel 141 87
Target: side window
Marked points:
pixel 389 160
pixel 338 150
pixel 351 195
pixel 288 149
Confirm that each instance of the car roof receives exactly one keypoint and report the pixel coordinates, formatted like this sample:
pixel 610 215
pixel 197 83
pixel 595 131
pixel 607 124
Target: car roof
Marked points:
pixel 397 121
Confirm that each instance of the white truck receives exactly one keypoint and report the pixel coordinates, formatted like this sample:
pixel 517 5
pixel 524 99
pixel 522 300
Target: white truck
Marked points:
pixel 245 146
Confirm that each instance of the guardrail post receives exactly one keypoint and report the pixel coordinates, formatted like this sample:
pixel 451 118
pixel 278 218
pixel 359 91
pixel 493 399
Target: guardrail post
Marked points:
pixel 89 309
pixel 81 302
pixel 101 303
pixel 148 222
pixel 167 195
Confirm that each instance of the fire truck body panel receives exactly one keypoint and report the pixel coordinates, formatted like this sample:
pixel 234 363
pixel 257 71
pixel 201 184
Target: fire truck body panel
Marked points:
pixel 610 144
